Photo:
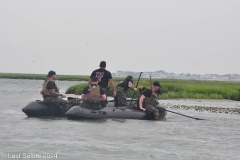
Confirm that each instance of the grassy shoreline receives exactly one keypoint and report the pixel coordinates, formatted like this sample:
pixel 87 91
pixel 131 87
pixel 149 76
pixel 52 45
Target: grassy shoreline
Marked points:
pixel 171 88
pixel 42 76
pixel 184 89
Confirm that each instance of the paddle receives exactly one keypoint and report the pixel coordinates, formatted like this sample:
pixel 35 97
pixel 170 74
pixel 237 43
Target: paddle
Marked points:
pixel 136 87
pixel 185 115
pixel 150 81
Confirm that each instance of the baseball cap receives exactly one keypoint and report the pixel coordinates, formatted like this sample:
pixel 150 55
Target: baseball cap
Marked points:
pixel 156 83
pixel 51 73
pixel 94 79
pixel 129 77
pixel 102 64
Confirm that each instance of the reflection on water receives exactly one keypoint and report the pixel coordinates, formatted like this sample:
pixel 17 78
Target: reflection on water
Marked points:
pixel 178 137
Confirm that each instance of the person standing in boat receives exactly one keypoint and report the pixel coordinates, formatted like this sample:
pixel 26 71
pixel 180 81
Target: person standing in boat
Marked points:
pixel 93 96
pixel 50 91
pixel 121 91
pixel 148 101
pixel 104 77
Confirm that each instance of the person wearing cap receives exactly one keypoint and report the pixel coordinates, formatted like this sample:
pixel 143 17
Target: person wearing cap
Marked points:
pixel 104 77
pixel 50 91
pixel 121 91
pixel 93 96
pixel 148 101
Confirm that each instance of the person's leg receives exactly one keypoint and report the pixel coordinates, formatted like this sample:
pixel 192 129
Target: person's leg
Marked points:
pixel 60 102
pixel 73 102
pixel 55 105
pixel 162 111
pixel 105 103
pixel 105 91
pixel 121 96
pixel 152 110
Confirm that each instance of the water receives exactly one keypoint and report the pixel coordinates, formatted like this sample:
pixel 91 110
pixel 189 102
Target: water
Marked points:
pixel 216 138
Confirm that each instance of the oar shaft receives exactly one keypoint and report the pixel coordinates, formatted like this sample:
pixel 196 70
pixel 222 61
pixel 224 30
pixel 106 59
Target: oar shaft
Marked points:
pixel 136 87
pixel 150 81
pixel 185 115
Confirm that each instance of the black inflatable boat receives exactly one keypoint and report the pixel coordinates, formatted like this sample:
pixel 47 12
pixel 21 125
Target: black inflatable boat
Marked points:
pixel 122 112
pixel 41 109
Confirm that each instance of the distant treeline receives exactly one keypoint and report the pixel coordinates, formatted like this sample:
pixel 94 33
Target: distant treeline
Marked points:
pixel 171 88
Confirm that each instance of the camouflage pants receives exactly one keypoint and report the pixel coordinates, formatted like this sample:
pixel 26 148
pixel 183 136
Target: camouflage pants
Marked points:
pixel 56 100
pixel 162 111
pixel 73 102
pixel 121 97
pixel 152 110
pixel 157 111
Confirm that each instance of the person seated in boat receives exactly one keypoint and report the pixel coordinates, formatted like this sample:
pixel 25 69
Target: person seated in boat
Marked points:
pixel 121 91
pixel 50 91
pixel 148 101
pixel 93 96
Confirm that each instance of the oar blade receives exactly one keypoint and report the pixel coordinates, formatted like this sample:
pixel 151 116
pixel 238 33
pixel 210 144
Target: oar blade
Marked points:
pixel 199 119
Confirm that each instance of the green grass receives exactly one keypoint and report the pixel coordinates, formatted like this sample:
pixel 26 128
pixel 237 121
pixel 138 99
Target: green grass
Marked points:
pixel 185 89
pixel 43 76
pixel 171 88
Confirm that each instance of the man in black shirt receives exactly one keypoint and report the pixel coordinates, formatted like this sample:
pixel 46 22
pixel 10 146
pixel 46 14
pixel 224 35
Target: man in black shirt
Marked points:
pixel 104 76
pixel 148 102
pixel 93 96
pixel 50 91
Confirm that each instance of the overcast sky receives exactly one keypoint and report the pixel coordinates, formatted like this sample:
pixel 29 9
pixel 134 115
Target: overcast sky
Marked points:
pixel 73 36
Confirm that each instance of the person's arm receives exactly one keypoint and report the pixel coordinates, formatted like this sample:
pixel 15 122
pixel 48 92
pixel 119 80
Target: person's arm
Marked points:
pixel 83 97
pixel 141 102
pixel 51 86
pixel 84 92
pixel 54 93
pixel 104 97
pixel 112 86
pixel 130 85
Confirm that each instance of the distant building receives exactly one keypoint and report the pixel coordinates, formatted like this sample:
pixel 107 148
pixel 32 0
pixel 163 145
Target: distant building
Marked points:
pixel 163 74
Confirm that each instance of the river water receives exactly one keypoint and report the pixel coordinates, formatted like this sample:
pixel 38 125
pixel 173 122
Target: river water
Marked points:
pixel 216 138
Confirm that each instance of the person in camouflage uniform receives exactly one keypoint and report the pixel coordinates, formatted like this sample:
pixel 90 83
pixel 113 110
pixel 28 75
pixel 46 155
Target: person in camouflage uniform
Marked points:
pixel 50 91
pixel 148 101
pixel 121 91
pixel 93 96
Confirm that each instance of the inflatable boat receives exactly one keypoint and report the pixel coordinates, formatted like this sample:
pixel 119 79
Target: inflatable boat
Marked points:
pixel 40 109
pixel 121 112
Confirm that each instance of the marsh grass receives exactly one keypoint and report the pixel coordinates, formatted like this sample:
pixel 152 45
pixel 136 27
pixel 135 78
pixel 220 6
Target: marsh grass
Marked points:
pixel 171 88
pixel 185 89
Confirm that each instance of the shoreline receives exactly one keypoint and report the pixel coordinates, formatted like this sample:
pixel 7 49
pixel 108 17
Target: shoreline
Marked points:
pixel 203 105
pixel 171 88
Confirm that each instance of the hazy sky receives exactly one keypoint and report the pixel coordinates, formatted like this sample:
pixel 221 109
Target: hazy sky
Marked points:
pixel 73 36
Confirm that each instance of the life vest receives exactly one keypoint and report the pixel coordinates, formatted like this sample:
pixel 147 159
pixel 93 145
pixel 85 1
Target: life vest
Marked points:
pixel 94 94
pixel 124 84
pixel 45 91
pixel 151 100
